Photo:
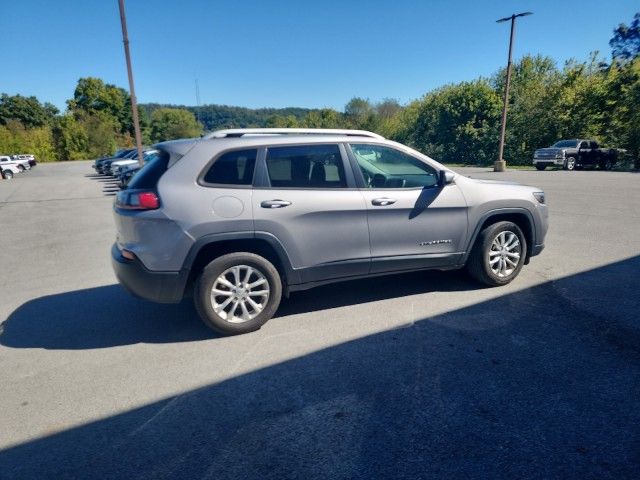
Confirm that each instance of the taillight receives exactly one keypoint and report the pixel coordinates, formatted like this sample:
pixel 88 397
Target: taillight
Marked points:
pixel 137 200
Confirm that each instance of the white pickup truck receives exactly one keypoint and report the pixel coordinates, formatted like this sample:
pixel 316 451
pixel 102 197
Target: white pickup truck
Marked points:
pixel 9 167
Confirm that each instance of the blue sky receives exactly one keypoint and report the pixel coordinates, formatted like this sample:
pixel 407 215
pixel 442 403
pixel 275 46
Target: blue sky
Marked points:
pixel 284 52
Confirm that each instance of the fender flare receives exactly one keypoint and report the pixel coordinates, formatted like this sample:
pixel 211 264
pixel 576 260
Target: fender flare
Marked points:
pixel 501 211
pixel 292 276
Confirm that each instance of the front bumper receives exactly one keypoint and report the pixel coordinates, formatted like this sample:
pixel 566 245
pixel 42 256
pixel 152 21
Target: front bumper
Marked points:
pixel 548 161
pixel 161 287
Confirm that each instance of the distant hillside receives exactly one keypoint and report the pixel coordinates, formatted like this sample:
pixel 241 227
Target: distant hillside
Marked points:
pixel 215 117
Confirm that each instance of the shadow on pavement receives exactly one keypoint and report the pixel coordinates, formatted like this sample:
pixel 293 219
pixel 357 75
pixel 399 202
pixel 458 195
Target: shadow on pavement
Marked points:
pixel 108 316
pixel 98 318
pixel 541 383
pixel 110 185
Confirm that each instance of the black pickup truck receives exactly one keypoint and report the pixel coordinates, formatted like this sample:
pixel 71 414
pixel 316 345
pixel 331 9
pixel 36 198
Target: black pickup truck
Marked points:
pixel 577 153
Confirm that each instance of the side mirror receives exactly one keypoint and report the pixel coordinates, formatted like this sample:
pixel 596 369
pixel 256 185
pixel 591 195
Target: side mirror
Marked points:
pixel 445 177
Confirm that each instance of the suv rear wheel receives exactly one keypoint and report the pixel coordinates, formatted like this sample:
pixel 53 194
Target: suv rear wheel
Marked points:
pixel 498 254
pixel 237 293
pixel 540 166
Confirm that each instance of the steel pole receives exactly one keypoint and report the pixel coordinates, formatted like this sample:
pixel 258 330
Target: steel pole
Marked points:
pixel 134 102
pixel 500 165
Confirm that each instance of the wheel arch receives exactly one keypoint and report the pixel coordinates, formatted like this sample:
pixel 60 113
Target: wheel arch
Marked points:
pixel 266 245
pixel 520 216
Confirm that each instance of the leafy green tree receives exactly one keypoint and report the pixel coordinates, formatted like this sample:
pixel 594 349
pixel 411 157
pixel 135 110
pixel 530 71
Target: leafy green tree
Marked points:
pixel 27 110
pixel 16 138
pixel 388 108
pixel 358 108
pixel 360 114
pixel 101 139
pixel 70 139
pixel 216 117
pixel 173 123
pixel 93 97
pixel 532 116
pixel 281 121
pixel 324 118
pixel 625 43
pixel 458 123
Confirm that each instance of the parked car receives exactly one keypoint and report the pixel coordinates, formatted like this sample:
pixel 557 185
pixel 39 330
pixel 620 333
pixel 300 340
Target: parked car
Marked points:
pixel 9 167
pixel 21 164
pixel 131 158
pixel 116 166
pixel 30 159
pixel 576 153
pixel 126 174
pixel 242 217
pixel 100 164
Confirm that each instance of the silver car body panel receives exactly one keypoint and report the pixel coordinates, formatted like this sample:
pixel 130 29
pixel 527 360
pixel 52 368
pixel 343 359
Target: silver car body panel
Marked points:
pixel 322 233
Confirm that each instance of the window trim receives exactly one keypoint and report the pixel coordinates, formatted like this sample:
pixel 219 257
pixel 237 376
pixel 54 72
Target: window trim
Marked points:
pixel 264 182
pixel 360 178
pixel 201 181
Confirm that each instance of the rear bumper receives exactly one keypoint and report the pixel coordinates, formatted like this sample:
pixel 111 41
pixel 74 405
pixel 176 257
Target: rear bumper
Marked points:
pixel 161 287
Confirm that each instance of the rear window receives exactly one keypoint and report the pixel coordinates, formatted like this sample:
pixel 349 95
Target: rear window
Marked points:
pixel 148 176
pixel 308 166
pixel 232 168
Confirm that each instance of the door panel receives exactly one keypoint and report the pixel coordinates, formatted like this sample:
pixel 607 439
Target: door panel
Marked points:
pixel 317 229
pixel 418 227
pixel 428 221
pixel 320 221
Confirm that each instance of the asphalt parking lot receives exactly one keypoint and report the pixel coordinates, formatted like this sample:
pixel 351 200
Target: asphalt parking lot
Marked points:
pixel 422 375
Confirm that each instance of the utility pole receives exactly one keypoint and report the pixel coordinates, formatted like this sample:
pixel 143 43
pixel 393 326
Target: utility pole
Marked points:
pixel 132 91
pixel 500 165
pixel 197 100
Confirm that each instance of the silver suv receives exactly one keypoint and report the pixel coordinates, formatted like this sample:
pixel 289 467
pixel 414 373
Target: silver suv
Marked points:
pixel 241 217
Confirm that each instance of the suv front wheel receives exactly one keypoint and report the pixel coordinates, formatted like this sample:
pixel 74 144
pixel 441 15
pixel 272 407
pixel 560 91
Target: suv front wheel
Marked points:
pixel 237 293
pixel 498 254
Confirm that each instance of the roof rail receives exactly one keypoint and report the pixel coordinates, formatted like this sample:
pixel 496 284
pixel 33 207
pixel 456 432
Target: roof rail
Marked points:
pixel 239 132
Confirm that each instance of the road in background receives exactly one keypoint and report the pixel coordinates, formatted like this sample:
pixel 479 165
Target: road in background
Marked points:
pixel 408 376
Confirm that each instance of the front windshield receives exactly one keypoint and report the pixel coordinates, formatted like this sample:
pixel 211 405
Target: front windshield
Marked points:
pixel 566 143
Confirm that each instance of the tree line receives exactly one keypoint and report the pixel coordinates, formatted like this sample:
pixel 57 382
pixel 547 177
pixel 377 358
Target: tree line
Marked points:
pixel 456 123
pixel 98 120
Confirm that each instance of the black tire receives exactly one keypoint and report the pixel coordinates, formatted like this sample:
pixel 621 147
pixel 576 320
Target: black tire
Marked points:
pixel 570 164
pixel 478 263
pixel 7 174
pixel 210 275
pixel 606 165
pixel 540 167
pixel 21 168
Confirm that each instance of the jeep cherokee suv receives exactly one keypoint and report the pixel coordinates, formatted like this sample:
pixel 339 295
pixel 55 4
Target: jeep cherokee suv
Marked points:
pixel 241 217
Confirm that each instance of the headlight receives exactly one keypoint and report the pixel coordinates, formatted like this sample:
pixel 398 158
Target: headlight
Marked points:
pixel 539 196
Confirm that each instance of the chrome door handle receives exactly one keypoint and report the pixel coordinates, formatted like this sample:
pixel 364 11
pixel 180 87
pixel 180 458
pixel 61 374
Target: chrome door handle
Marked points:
pixel 275 203
pixel 382 202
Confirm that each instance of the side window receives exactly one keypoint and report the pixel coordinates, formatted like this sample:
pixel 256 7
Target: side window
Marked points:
pixel 594 144
pixel 233 168
pixel 385 167
pixel 584 145
pixel 306 166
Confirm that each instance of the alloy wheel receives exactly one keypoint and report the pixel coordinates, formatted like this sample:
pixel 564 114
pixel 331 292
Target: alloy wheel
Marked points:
pixel 504 254
pixel 240 293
